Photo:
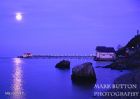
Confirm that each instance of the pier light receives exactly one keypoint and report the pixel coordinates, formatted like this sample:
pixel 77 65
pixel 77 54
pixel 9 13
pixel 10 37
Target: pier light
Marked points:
pixel 132 46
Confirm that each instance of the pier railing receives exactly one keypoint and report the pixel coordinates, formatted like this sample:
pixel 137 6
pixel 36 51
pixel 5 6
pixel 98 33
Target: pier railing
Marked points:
pixel 63 56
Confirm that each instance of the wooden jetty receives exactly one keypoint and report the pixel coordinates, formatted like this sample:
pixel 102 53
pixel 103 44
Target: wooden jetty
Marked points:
pixel 58 56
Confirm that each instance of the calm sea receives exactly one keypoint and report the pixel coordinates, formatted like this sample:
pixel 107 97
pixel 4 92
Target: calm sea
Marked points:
pixel 39 79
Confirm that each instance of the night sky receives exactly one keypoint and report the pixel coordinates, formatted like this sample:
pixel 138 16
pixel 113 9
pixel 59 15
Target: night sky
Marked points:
pixel 66 26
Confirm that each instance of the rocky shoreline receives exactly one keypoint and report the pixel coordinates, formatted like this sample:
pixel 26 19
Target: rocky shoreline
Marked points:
pixel 132 86
pixel 124 64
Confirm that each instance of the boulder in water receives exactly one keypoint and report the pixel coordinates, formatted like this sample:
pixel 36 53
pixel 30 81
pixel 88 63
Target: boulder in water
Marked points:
pixel 64 64
pixel 84 73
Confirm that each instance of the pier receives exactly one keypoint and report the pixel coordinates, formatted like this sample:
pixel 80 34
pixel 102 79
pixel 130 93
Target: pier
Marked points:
pixel 59 56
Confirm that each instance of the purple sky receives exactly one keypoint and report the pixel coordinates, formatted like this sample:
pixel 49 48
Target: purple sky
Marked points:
pixel 66 26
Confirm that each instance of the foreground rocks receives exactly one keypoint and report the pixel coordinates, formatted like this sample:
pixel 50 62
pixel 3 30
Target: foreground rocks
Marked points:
pixel 83 73
pixel 132 85
pixel 64 64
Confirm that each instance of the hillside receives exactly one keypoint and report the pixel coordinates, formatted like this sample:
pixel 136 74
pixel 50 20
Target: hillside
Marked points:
pixel 132 56
pixel 133 44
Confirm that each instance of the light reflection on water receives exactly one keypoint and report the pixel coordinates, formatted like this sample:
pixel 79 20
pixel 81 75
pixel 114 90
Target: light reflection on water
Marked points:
pixel 17 87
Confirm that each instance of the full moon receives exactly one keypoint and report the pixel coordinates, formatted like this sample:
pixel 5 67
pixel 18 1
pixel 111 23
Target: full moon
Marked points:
pixel 18 16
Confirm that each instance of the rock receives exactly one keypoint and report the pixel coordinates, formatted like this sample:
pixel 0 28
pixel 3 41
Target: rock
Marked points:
pixel 116 66
pixel 64 64
pixel 124 64
pixel 131 82
pixel 83 73
pixel 99 66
